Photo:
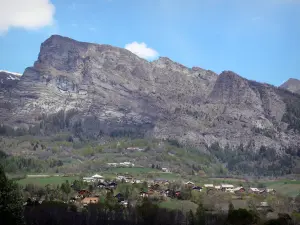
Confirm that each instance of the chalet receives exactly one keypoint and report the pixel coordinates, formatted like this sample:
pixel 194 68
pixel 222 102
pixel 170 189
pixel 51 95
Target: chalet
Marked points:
pixel 190 184
pixel 166 170
pixel 90 200
pixel 120 178
pixel 208 185
pixel 126 164
pixel 88 179
pixel 236 190
pixel 98 177
pixel 197 188
pixel 218 188
pixel 254 190
pixel 226 187
pixel 129 180
pixel 135 149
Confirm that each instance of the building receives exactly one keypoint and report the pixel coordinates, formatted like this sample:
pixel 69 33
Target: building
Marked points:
pixel 189 184
pixel 126 164
pixel 226 187
pixel 197 188
pixel 90 200
pixel 218 188
pixel 144 194
pixel 254 190
pixel 208 185
pixel 120 178
pixel 166 170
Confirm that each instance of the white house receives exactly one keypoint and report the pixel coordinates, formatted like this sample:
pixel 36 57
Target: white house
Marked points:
pixel 97 176
pixel 226 187
pixel 218 187
pixel 166 170
pixel 120 178
pixel 208 185
pixel 254 190
pixel 88 179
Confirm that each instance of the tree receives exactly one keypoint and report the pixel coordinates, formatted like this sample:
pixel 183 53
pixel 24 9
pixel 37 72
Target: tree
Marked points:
pixel 200 214
pixel 66 188
pixel 11 207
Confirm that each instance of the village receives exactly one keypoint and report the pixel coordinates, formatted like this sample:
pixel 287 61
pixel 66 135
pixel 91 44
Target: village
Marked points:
pixel 156 189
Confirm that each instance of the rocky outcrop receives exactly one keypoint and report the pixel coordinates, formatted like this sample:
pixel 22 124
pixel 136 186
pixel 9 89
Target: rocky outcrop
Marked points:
pixel 292 85
pixel 8 79
pixel 94 90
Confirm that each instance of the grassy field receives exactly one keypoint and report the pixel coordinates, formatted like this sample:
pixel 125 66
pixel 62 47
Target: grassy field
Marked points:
pixel 42 181
pixel 184 206
pixel 285 187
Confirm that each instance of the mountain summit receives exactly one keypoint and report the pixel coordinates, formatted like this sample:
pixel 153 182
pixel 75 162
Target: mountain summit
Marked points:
pixel 292 85
pixel 96 90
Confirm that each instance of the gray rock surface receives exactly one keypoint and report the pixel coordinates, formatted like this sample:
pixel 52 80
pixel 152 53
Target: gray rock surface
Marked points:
pixel 94 90
pixel 292 85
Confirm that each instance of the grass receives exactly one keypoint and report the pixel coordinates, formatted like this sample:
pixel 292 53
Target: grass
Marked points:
pixel 173 204
pixel 43 181
pixel 285 187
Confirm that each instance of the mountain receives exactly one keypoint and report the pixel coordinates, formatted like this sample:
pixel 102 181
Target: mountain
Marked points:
pixel 292 85
pixel 8 79
pixel 95 90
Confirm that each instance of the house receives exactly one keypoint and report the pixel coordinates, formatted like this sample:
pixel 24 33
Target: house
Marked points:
pixel 88 179
pixel 120 178
pixel 236 190
pixel 197 188
pixel 98 177
pixel 135 149
pixel 129 180
pixel 190 184
pixel 90 200
pixel 166 170
pixel 208 185
pixel 126 164
pixel 226 187
pixel 137 181
pixel 218 188
pixel 254 190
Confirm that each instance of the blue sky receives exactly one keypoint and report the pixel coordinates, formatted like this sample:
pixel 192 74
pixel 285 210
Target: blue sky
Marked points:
pixel 258 39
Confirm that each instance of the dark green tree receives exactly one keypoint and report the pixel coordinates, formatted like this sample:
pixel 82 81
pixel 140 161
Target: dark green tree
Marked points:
pixel 11 207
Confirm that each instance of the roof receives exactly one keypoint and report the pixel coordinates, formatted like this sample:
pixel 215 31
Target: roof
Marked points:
pixel 255 189
pixel 97 176
pixel 189 182
pixel 208 185
pixel 227 186
pixel 90 200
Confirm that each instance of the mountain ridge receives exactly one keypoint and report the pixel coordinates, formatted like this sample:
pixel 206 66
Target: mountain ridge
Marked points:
pixel 94 90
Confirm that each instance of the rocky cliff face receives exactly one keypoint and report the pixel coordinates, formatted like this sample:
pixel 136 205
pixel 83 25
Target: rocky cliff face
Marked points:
pixel 292 85
pixel 8 79
pixel 94 90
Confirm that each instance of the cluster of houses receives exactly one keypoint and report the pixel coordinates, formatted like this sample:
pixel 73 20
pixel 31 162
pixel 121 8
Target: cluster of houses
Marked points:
pixel 231 189
pixel 121 164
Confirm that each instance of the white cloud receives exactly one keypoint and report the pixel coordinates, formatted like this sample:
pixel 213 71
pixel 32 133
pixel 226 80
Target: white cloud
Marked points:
pixel 27 14
pixel 141 50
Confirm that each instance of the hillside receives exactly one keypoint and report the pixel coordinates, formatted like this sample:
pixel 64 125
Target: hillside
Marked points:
pixel 99 91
